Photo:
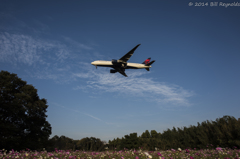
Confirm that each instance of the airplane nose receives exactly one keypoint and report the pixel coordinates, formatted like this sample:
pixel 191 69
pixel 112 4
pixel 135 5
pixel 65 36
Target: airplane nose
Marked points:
pixel 92 63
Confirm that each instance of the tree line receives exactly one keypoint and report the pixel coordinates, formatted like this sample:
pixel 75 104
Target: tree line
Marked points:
pixel 224 132
pixel 65 143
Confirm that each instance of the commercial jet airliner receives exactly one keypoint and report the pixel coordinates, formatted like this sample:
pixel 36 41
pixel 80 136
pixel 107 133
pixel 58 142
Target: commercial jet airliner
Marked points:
pixel 122 64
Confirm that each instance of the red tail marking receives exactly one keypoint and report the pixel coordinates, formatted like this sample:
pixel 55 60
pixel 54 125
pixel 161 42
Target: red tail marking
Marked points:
pixel 147 61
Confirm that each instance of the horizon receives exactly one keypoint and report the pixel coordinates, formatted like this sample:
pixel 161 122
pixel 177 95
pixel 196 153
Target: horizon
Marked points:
pixel 195 76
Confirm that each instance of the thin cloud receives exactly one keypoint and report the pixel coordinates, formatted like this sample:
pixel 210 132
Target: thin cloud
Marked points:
pixel 77 111
pixel 28 50
pixel 48 59
pixel 138 86
pixel 92 116
pixel 18 48
pixel 25 49
pixel 82 75
pixel 89 115
pixel 76 44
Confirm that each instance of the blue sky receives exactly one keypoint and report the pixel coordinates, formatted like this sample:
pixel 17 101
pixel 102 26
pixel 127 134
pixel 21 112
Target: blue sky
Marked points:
pixel 50 44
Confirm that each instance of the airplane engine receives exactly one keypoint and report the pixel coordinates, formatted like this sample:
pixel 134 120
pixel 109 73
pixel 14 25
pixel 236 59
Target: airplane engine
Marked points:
pixel 113 71
pixel 124 65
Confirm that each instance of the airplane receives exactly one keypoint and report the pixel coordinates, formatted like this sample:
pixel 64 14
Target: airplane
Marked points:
pixel 122 64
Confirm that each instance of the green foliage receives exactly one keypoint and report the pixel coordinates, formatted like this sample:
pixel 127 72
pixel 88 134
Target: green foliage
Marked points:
pixel 154 134
pixel 224 132
pixel 130 142
pixel 146 134
pixel 85 144
pixel 23 120
pixel 61 143
pixel 90 144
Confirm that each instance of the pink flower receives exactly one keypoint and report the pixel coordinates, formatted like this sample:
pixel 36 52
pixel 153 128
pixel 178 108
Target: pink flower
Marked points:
pixel 137 157
pixel 219 148
pixel 159 154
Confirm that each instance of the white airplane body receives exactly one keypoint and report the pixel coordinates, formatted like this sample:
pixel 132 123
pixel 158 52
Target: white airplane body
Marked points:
pixel 122 64
pixel 102 63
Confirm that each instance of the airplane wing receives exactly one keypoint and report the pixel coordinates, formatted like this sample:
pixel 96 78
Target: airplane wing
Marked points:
pixel 121 71
pixel 126 57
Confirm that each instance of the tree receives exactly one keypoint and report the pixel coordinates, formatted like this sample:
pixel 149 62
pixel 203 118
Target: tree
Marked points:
pixel 130 141
pixel 62 143
pixel 90 144
pixel 22 113
pixel 154 134
pixel 146 134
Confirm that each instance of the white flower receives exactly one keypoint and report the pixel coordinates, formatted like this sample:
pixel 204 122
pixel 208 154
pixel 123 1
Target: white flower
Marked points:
pixel 147 154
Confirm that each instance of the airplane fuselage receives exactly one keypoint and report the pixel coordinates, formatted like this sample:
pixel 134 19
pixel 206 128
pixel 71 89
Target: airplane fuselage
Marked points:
pixel 128 66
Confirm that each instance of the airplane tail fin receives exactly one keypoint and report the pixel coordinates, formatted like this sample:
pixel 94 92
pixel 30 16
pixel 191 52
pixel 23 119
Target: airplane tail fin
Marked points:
pixel 149 64
pixel 147 61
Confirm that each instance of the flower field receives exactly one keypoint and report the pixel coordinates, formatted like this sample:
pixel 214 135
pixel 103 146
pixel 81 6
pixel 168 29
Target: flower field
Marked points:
pixel 126 154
